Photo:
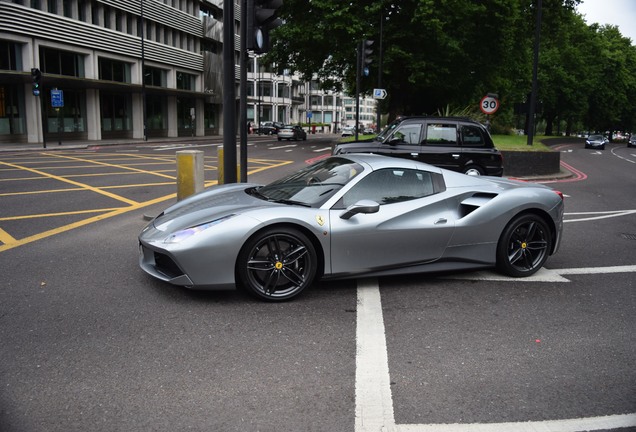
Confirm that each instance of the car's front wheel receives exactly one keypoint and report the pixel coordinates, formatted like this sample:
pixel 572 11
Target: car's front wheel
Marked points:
pixel 524 246
pixel 277 264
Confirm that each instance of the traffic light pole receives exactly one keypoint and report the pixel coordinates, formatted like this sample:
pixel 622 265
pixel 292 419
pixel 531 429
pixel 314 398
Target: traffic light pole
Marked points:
pixel 358 83
pixel 229 108
pixel 243 95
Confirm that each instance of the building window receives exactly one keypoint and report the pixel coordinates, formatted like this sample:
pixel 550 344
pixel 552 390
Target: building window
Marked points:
pixel 36 4
pixel 67 7
pixel 10 56
pixel 12 119
pixel 185 115
pixel 107 16
pixel 116 111
pixel 155 77
pixel 113 70
pixel 119 21
pixel 58 62
pixel 156 108
pixel 81 12
pixel 95 14
pixel 185 81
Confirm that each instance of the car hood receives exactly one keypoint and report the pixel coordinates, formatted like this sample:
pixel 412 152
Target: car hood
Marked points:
pixel 209 205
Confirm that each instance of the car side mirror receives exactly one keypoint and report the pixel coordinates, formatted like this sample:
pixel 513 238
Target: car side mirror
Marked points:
pixel 362 206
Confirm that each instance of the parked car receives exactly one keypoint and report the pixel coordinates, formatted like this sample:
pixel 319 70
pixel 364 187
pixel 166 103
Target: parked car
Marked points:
pixel 291 132
pixel 632 140
pixel 368 131
pixel 348 131
pixel 347 216
pixel 457 144
pixel 596 142
pixel 269 128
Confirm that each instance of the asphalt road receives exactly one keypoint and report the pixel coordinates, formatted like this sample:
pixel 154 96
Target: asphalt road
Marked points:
pixel 89 342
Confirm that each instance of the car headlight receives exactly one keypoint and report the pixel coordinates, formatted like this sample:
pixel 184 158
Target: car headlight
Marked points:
pixel 186 233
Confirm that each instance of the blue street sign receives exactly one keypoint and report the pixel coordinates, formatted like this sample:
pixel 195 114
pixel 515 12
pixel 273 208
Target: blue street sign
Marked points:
pixel 57 98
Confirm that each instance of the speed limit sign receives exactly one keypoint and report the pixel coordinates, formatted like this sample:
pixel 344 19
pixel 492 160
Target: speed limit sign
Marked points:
pixel 489 105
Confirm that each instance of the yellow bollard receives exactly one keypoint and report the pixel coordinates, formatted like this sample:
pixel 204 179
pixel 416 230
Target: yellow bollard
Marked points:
pixel 220 174
pixel 190 175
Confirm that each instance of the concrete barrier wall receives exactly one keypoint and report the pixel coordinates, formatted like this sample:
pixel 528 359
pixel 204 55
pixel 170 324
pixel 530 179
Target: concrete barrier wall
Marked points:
pixel 520 163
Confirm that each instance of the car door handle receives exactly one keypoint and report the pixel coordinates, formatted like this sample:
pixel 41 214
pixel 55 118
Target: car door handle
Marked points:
pixel 455 156
pixel 440 221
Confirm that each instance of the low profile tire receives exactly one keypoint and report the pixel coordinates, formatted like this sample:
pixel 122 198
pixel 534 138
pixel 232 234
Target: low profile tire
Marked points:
pixel 524 246
pixel 473 170
pixel 277 264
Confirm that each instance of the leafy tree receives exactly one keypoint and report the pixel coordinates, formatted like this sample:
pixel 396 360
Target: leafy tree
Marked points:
pixel 438 54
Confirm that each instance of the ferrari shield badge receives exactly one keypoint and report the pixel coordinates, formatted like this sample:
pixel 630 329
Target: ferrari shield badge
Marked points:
pixel 320 220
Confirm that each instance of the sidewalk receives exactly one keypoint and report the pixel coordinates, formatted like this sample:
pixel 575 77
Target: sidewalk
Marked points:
pixel 84 144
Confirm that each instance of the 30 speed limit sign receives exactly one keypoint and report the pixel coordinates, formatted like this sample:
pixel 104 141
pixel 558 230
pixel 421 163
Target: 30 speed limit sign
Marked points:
pixel 489 105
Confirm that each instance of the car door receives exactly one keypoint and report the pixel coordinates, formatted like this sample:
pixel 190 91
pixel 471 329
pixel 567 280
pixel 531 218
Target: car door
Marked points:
pixel 440 146
pixel 413 225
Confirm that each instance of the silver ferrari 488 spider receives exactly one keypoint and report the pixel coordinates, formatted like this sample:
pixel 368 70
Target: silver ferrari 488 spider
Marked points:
pixel 347 216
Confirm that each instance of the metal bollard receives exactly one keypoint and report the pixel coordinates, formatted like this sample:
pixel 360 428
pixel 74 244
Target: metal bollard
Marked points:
pixel 190 178
pixel 220 174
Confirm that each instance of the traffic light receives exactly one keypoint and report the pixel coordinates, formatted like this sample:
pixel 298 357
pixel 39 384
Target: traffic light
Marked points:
pixel 36 77
pixel 261 18
pixel 365 53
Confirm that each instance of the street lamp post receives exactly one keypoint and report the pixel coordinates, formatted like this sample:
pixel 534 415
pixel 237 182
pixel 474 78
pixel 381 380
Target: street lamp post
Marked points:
pixel 143 73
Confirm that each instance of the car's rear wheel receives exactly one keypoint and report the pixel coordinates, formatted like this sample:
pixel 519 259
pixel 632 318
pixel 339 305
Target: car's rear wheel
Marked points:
pixel 524 246
pixel 277 264
pixel 474 170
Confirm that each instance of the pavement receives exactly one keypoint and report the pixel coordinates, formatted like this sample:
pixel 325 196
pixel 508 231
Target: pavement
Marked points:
pixel 84 144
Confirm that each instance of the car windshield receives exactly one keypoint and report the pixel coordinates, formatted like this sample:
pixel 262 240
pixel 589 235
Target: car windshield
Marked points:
pixel 313 185
pixel 595 137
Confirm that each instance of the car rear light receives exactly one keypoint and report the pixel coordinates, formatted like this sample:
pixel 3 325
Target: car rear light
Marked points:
pixel 559 193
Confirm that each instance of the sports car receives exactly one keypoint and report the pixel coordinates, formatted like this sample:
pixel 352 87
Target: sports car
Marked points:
pixel 348 216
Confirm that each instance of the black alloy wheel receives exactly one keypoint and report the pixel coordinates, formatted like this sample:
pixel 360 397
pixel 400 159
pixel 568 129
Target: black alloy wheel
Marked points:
pixel 524 246
pixel 277 264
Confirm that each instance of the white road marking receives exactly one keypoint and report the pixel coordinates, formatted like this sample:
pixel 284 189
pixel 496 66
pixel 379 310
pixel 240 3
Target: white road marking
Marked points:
pixel 601 215
pixel 374 401
pixel 570 425
pixel 543 275
pixel 622 157
pixel 283 146
pixel 184 146
pixel 322 150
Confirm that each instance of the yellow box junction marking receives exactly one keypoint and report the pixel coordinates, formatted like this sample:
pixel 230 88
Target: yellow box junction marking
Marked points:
pixel 9 242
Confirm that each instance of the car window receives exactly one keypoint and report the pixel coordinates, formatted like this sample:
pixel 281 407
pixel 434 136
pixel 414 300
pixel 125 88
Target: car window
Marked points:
pixel 407 134
pixel 388 186
pixel 472 136
pixel 441 134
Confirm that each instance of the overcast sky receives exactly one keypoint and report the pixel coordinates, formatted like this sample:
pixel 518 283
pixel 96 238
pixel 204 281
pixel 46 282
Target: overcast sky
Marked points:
pixel 621 13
